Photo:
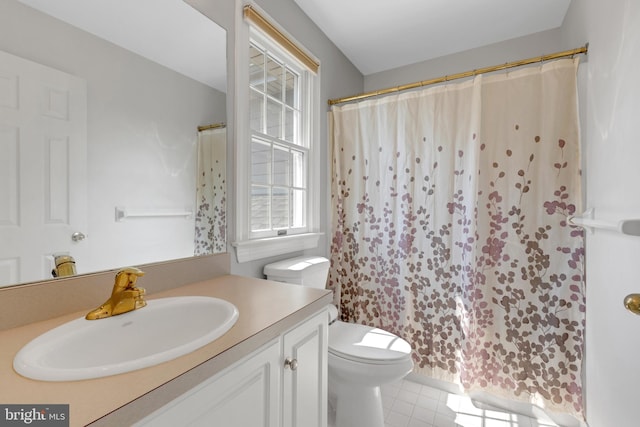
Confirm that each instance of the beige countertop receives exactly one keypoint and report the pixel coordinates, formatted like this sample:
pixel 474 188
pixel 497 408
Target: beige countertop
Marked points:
pixel 267 309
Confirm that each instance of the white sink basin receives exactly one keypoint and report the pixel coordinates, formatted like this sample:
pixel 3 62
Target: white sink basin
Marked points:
pixel 163 330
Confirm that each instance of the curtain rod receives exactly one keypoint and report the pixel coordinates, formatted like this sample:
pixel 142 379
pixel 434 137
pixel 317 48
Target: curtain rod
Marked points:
pixel 463 75
pixel 213 126
pixel 291 46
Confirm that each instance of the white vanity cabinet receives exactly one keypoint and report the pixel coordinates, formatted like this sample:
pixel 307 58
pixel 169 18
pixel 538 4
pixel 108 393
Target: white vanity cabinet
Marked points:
pixel 304 385
pixel 284 383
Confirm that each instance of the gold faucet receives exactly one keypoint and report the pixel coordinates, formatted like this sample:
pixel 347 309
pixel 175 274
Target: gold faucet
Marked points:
pixel 125 297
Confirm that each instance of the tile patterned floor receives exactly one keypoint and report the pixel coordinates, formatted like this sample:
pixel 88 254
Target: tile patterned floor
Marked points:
pixel 410 404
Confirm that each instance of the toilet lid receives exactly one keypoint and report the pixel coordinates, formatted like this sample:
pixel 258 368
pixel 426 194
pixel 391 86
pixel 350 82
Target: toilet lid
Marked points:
pixel 366 343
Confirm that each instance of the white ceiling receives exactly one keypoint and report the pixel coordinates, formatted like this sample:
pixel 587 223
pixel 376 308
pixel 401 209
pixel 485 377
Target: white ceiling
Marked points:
pixel 168 32
pixel 378 35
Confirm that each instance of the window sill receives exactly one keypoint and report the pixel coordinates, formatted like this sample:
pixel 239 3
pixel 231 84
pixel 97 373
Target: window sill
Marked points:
pixel 250 250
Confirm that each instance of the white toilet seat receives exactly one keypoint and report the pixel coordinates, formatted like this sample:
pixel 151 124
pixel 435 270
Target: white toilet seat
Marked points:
pixel 366 344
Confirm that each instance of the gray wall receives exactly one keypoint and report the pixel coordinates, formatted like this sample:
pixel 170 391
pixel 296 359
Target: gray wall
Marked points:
pixel 498 53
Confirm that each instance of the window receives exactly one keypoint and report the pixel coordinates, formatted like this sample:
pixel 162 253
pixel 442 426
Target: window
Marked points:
pixel 278 192
pixel 279 144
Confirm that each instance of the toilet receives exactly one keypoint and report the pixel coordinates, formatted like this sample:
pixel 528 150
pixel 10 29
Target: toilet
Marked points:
pixel 361 358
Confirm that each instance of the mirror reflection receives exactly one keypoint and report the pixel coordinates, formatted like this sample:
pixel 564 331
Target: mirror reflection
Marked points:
pixel 109 155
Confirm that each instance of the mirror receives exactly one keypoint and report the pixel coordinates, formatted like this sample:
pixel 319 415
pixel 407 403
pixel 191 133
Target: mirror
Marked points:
pixel 100 108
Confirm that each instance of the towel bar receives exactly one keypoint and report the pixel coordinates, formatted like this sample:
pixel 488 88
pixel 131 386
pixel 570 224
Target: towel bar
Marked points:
pixel 123 213
pixel 629 227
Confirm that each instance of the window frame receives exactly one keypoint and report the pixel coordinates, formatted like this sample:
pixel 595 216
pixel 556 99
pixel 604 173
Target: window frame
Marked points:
pixel 300 142
pixel 251 246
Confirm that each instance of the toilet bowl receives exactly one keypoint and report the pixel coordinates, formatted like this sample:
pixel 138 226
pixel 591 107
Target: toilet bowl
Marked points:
pixel 361 358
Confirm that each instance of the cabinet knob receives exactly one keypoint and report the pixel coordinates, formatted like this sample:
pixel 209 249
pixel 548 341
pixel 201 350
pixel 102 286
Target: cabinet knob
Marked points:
pixel 291 363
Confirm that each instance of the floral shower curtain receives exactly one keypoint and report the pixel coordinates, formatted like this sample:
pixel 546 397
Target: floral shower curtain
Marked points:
pixel 450 230
pixel 211 192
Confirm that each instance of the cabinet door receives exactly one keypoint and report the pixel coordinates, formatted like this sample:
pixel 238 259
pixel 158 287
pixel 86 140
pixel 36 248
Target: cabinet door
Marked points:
pixel 305 376
pixel 244 395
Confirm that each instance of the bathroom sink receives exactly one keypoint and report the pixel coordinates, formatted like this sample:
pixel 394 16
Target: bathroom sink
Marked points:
pixel 163 330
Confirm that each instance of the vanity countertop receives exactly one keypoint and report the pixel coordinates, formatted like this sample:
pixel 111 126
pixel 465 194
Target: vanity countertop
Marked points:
pixel 267 309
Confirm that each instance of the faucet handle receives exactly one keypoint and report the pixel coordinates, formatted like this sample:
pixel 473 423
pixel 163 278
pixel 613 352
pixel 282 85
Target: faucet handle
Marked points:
pixel 127 277
pixel 132 270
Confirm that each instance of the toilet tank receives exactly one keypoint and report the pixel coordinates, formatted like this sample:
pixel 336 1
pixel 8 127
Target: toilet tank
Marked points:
pixel 308 271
